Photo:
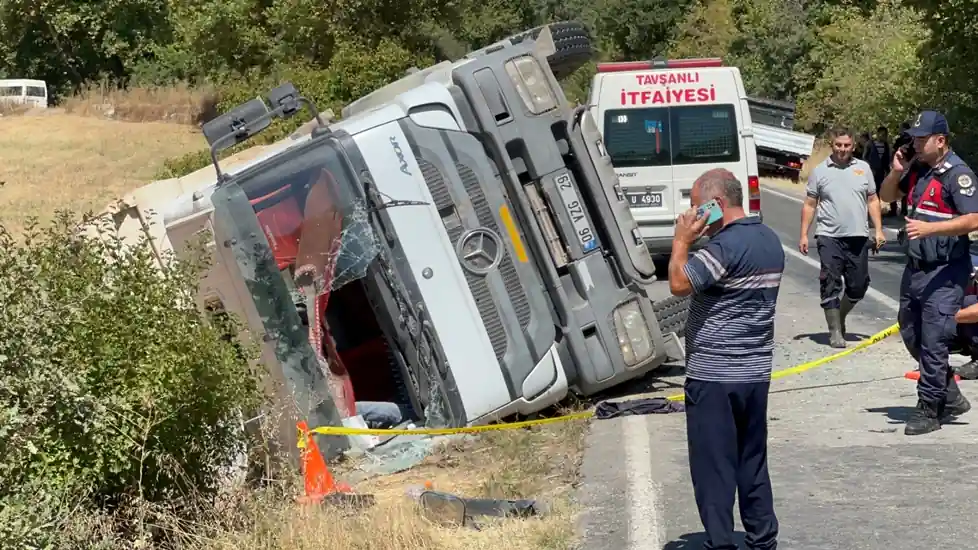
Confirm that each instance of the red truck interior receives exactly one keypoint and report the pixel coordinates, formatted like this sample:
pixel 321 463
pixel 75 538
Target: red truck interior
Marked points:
pixel 361 353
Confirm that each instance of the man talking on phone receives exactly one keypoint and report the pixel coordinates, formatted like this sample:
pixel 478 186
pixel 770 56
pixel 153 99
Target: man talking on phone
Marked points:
pixel 734 282
pixel 841 192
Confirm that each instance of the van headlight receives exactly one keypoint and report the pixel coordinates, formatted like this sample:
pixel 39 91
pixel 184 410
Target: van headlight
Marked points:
pixel 633 334
pixel 530 81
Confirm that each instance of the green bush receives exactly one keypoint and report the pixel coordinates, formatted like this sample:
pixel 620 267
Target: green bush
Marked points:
pixel 113 386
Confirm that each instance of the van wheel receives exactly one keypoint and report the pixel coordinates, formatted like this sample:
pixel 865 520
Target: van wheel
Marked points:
pixel 671 314
pixel 571 47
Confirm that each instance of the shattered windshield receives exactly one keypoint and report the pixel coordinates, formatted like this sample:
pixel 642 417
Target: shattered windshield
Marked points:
pixel 314 216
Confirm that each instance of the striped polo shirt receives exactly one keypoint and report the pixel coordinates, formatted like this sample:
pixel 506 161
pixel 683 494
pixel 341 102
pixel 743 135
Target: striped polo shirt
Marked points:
pixel 735 280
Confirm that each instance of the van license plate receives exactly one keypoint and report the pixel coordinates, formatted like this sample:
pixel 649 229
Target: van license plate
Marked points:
pixel 575 210
pixel 643 199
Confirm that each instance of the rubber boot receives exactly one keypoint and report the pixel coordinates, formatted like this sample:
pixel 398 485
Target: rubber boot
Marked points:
pixel 968 371
pixel 844 309
pixel 834 319
pixel 956 404
pixel 923 420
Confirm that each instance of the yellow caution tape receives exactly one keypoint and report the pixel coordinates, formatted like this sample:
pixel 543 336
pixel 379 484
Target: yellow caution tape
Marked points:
pixel 337 430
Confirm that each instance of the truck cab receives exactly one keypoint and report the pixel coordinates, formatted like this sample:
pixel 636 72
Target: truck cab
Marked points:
pixel 458 243
pixel 664 123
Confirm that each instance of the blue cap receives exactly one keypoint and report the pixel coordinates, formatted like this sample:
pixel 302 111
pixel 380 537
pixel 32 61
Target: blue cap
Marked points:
pixel 929 123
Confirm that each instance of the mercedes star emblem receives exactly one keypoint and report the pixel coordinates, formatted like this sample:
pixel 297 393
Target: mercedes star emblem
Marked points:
pixel 479 251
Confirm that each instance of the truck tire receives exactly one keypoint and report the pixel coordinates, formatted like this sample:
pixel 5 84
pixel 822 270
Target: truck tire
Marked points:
pixel 671 314
pixel 572 46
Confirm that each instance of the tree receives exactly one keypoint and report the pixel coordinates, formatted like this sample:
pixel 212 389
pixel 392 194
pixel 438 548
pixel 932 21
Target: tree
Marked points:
pixel 862 70
pixel 950 58
pixel 773 36
pixel 763 38
pixel 68 43
pixel 708 31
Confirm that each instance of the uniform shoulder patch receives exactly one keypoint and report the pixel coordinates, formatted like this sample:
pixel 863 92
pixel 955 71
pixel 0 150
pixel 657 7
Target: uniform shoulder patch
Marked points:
pixel 965 181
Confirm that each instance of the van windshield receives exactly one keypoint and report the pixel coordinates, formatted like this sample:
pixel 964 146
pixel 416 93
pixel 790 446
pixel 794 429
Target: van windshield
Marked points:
pixel 666 136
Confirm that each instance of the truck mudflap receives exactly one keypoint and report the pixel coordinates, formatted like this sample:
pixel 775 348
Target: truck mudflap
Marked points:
pixel 601 182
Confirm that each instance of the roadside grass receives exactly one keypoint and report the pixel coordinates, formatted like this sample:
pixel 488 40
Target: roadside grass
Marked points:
pixel 63 161
pixel 179 103
pixel 537 463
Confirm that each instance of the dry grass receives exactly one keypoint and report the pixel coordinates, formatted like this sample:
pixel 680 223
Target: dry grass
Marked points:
pixel 820 152
pixel 179 104
pixel 540 463
pixel 72 162
pixel 13 109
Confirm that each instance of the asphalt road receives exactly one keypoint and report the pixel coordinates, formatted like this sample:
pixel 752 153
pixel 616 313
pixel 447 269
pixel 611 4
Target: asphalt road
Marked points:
pixel 845 476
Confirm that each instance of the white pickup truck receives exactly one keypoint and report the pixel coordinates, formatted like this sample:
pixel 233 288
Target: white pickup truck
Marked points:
pixel 780 150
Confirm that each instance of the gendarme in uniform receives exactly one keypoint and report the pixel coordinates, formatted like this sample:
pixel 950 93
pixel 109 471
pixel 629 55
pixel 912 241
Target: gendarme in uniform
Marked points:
pixel 937 272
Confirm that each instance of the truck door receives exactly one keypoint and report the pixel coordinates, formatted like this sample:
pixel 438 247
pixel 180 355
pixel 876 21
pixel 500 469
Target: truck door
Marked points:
pixel 236 228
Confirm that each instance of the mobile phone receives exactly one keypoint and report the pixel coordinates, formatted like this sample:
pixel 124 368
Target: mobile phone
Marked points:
pixel 712 210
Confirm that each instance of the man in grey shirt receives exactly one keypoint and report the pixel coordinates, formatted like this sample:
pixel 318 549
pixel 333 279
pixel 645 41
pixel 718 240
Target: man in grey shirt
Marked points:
pixel 841 192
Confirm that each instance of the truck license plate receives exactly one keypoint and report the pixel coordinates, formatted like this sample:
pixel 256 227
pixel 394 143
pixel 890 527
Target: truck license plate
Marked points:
pixel 763 158
pixel 575 209
pixel 643 199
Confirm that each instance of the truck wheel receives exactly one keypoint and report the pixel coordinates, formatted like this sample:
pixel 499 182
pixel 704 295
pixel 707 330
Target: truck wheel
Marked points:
pixel 569 43
pixel 671 314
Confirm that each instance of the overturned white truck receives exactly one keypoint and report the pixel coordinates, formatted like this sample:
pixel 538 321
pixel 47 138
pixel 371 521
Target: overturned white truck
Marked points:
pixel 457 243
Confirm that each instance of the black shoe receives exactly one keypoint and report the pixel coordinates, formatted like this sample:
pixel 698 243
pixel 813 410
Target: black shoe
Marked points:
pixel 833 318
pixel 956 404
pixel 957 407
pixel 923 420
pixel 968 371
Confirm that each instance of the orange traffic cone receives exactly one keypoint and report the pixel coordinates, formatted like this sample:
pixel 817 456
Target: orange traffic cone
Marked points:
pixel 319 482
pixel 915 375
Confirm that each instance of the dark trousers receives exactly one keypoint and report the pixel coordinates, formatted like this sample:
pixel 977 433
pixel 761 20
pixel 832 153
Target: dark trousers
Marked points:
pixel 929 298
pixel 843 259
pixel 726 431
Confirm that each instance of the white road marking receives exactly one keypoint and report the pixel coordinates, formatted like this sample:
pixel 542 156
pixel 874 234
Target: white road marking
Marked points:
pixel 799 200
pixel 644 515
pixel 870 293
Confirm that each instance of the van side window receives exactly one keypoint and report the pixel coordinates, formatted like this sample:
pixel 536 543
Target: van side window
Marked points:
pixel 11 91
pixel 36 91
pixel 665 136
pixel 638 137
pixel 705 134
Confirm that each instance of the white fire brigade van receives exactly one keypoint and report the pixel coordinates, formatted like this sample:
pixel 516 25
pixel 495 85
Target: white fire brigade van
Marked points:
pixel 664 123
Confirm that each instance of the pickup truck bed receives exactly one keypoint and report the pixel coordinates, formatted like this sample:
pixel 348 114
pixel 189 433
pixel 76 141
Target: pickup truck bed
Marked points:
pixel 783 141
